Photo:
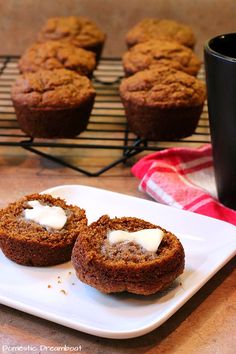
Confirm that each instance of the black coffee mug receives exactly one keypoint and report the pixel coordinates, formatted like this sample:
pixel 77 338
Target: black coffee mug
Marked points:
pixel 220 65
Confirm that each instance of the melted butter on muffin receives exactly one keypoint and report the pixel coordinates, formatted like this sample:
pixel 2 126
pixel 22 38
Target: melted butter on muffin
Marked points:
pixel 149 239
pixel 45 215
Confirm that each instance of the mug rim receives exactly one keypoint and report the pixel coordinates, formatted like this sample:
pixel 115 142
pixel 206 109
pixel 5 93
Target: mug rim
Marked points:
pixel 214 52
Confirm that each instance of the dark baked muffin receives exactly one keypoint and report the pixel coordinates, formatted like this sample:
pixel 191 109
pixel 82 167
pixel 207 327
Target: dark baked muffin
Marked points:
pixel 154 53
pixel 162 103
pixel 126 266
pixel 53 104
pixel 150 28
pixel 79 31
pixel 45 240
pixel 53 55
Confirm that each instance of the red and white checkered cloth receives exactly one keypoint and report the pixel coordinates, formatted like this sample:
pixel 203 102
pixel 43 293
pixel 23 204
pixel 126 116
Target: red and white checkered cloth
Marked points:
pixel 183 178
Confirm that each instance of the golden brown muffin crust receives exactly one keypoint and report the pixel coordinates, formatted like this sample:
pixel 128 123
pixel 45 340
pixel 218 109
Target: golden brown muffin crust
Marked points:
pixel 163 87
pixel 164 29
pixel 55 89
pixel 153 53
pixel 57 55
pixel 80 31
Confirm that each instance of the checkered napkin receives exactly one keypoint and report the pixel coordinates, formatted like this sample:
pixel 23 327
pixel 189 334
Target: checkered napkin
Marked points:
pixel 183 178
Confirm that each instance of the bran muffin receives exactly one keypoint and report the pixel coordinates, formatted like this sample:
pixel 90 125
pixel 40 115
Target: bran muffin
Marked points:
pixel 53 104
pixel 28 242
pixel 126 266
pixel 154 53
pixel 162 103
pixel 53 55
pixel 79 31
pixel 150 28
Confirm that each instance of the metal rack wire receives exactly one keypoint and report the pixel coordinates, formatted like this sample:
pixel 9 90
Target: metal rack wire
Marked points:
pixel 107 127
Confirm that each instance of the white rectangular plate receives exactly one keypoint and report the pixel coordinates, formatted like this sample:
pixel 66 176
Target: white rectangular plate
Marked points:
pixel 54 293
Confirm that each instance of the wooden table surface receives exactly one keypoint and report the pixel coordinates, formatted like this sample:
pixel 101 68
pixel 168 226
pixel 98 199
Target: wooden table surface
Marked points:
pixel 205 324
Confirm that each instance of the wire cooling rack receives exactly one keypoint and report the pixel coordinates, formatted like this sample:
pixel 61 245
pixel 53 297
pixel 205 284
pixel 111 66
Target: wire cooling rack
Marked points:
pixel 107 128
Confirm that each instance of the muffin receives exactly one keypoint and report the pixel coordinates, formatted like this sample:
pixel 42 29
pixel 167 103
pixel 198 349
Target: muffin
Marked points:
pixel 53 55
pixel 39 230
pixel 162 103
pixel 53 104
pixel 126 265
pixel 150 28
pixel 79 31
pixel 154 53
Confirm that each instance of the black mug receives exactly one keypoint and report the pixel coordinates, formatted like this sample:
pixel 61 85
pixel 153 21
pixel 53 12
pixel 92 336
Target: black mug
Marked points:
pixel 220 65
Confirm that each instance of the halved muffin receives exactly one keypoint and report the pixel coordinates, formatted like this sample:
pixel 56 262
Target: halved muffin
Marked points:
pixel 39 230
pixel 126 265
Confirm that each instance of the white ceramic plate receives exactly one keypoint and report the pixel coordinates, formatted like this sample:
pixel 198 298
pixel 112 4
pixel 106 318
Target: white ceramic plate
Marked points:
pixel 55 294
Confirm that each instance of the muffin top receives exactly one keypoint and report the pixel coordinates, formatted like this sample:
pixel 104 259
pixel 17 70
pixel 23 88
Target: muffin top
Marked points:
pixel 80 31
pixel 14 224
pixel 150 28
pixel 55 89
pixel 57 55
pixel 153 53
pixel 164 88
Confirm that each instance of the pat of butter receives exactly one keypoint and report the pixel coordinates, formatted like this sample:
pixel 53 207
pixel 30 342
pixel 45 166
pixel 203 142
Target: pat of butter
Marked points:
pixel 149 239
pixel 45 215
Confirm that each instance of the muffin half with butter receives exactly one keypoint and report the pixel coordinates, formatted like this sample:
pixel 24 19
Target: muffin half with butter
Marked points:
pixel 127 254
pixel 39 230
